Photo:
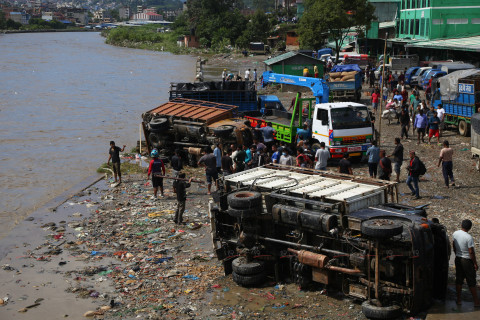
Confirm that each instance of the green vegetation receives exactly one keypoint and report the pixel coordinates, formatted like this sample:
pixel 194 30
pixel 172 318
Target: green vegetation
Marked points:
pixel 33 24
pixel 326 19
pixel 126 167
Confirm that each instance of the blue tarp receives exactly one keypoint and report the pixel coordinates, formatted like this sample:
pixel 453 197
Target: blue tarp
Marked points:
pixel 325 51
pixel 346 68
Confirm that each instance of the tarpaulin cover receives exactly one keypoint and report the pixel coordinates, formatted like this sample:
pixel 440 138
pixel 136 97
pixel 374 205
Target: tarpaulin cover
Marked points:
pixel 215 85
pixel 346 68
pixel 449 83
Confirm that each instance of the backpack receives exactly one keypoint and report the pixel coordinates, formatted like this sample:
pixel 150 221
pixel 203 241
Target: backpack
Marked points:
pixel 421 168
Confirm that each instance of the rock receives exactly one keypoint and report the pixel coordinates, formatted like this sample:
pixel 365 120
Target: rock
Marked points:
pixel 2 302
pixel 105 308
pixel 90 314
pixel 23 310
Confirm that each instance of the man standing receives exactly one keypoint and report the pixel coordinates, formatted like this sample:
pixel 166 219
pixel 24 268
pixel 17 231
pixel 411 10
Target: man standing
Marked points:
pixel 155 168
pixel 177 163
pixel 404 123
pixel 344 165
pixel 255 76
pixel 224 75
pixel 446 159
pixel 305 72
pixel 303 134
pixel 277 152
pixel 375 100
pixel 227 163
pixel 373 154
pixel 179 187
pixel 433 123
pixel 210 163
pixel 285 158
pixel 397 158
pixel 414 175
pixel 247 75
pixel 217 152
pixel 465 262
pixel 303 160
pixel 441 117
pixel 420 124
pixel 385 164
pixel 315 71
pixel 114 155
pixel 239 159
pixel 268 135
pixel 321 157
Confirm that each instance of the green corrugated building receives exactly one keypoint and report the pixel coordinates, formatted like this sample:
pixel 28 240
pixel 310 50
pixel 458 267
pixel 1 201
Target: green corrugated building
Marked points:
pixel 438 19
pixel 293 63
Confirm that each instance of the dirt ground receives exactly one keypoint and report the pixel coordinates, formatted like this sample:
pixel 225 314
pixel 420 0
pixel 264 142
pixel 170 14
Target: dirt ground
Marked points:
pixel 115 252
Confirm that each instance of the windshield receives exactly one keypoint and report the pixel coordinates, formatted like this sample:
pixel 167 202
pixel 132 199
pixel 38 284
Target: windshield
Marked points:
pixel 418 72
pixel 350 117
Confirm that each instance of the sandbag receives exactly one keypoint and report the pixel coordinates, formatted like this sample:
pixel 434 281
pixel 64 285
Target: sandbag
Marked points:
pixel 348 73
pixel 348 77
pixel 335 75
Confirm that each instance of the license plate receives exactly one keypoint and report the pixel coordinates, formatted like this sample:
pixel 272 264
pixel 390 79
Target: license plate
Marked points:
pixel 355 148
pixel 356 154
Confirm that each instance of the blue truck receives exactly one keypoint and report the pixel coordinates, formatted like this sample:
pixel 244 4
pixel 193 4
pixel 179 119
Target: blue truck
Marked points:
pixel 460 107
pixel 345 83
pixel 408 75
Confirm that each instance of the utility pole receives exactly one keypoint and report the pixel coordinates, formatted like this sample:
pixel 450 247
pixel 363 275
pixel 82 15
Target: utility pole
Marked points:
pixel 379 115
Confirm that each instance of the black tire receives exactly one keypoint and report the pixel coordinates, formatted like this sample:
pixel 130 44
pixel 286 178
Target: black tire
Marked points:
pixel 243 267
pixel 223 130
pixel 245 199
pixel 159 124
pixel 250 280
pixel 244 213
pixel 463 128
pixel 371 311
pixel 381 228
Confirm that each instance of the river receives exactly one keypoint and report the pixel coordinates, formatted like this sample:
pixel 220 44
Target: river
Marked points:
pixel 63 97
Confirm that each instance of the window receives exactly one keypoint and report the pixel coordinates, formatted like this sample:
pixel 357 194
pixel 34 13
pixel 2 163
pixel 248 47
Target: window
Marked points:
pixel 427 27
pixel 422 26
pixel 475 21
pixel 402 26
pixel 457 21
pixel 417 27
pixel 437 21
pixel 408 4
pixel 411 26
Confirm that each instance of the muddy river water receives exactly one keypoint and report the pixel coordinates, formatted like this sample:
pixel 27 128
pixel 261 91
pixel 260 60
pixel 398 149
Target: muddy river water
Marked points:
pixel 63 97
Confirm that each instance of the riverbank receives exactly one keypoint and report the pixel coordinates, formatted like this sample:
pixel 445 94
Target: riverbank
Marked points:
pixel 47 30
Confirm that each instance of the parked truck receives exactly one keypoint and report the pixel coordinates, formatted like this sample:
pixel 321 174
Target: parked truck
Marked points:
pixel 459 93
pixel 475 139
pixel 323 229
pixel 345 82
pixel 344 127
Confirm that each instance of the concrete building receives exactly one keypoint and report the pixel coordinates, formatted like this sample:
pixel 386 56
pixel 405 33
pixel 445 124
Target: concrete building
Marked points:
pixel 148 16
pixel 124 13
pixel 20 17
pixel 438 19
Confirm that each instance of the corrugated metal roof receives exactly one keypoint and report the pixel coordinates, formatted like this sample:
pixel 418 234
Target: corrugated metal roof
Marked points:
pixel 386 24
pixel 284 56
pixel 462 44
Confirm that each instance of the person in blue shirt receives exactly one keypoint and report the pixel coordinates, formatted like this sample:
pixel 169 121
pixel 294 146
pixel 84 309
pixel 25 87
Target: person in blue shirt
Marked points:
pixel 303 133
pixel 248 158
pixel 420 124
pixel 373 154
pixel 277 152
pixel 268 135
pixel 398 96
pixel 217 152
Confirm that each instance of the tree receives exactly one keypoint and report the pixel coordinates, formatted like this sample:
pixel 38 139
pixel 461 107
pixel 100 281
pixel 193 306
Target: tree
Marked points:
pixel 258 29
pixel 325 19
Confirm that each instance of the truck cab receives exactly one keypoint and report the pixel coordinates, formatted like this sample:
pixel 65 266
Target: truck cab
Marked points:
pixel 408 75
pixel 418 75
pixel 344 127
pixel 432 74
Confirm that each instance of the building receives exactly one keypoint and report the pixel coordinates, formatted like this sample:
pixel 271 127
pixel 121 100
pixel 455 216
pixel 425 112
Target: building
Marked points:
pixel 147 16
pixel 124 13
pixel 293 63
pixel 20 17
pixel 439 19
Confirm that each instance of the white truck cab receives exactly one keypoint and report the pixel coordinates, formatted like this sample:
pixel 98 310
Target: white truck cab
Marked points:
pixel 345 127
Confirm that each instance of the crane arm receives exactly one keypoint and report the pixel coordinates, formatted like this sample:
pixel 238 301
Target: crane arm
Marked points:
pixel 318 86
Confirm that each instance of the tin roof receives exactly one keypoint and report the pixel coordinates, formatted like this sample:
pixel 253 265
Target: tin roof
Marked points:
pixel 195 110
pixel 285 56
pixel 462 44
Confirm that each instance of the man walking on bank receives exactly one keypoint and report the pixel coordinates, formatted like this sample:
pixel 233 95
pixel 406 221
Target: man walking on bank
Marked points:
pixel 180 188
pixel 155 168
pixel 373 154
pixel 114 155
pixel 414 175
pixel 446 160
pixel 465 262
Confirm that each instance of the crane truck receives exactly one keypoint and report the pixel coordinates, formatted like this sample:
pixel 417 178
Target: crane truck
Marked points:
pixel 344 127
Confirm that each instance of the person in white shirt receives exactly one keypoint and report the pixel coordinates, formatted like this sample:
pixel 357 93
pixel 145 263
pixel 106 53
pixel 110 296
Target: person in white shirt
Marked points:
pixel 224 75
pixel 465 262
pixel 321 157
pixel 441 116
pixel 286 159
pixel 247 75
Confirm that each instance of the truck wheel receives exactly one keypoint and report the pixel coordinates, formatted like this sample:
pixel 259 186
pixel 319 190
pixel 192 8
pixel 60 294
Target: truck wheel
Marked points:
pixel 250 280
pixel 159 124
pixel 244 213
pixel 463 128
pixel 154 140
pixel 381 228
pixel 242 267
pixel 244 199
pixel 223 130
pixel 371 311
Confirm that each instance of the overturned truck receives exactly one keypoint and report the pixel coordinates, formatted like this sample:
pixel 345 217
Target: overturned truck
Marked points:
pixel 344 232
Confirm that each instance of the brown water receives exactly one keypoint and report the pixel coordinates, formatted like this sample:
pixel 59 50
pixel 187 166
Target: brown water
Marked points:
pixel 63 97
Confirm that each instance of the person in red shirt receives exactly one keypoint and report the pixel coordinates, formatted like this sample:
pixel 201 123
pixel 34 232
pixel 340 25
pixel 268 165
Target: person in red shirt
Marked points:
pixel 155 168
pixel 375 100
